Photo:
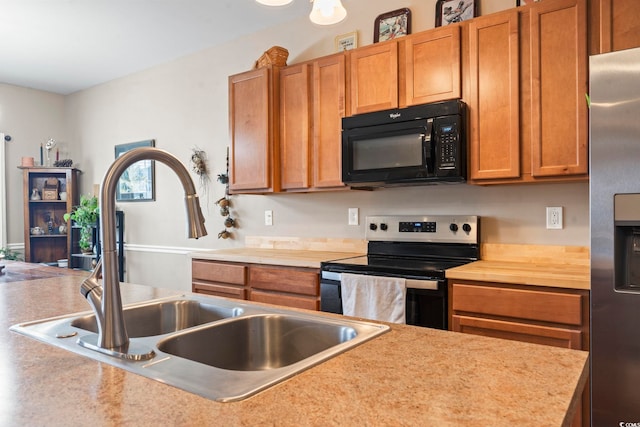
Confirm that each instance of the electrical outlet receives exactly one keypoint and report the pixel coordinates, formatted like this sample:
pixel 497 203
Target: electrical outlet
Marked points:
pixel 554 218
pixel 354 216
pixel 268 217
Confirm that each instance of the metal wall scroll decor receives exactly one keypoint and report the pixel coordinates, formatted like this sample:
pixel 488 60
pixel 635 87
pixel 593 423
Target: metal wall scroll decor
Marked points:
pixel 225 205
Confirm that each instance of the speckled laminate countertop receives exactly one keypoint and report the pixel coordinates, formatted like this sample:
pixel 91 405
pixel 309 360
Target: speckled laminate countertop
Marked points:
pixel 409 376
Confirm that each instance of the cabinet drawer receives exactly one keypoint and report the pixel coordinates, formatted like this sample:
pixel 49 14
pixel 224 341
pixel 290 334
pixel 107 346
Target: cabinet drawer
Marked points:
pixel 218 272
pixel 528 304
pixel 545 335
pixel 304 282
pixel 220 290
pixel 286 300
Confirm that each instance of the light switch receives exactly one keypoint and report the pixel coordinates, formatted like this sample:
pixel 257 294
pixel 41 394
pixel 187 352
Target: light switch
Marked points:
pixel 354 216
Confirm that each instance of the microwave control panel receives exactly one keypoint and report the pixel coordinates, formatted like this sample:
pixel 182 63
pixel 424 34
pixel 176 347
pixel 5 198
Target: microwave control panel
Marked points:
pixel 447 136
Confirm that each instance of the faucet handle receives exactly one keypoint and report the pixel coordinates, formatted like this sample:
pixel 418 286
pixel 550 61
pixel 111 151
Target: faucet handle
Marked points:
pixel 91 283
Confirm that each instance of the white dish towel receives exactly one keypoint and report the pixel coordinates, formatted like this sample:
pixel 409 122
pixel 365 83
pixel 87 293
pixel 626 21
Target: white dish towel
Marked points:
pixel 374 297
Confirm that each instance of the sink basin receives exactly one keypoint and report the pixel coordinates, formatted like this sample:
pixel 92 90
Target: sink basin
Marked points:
pixel 221 349
pixel 258 342
pixel 158 318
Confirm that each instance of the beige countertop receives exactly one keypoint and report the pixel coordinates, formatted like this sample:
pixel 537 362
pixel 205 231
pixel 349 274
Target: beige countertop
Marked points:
pixel 409 376
pixel 284 257
pixel 520 273
pixel 537 265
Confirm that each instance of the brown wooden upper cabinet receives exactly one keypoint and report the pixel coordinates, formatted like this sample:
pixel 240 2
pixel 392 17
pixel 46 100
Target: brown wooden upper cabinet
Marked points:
pixel 312 104
pixel 430 66
pixel 527 80
pixel 493 96
pixel 374 77
pixel 614 25
pixel 559 114
pixel 522 73
pixel 295 126
pixel 329 107
pixel 253 129
pixel 416 69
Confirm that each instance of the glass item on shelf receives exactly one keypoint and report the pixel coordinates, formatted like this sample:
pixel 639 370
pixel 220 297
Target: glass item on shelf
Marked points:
pixel 35 195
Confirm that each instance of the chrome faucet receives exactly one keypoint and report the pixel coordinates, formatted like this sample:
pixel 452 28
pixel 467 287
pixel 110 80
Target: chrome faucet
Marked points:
pixel 105 299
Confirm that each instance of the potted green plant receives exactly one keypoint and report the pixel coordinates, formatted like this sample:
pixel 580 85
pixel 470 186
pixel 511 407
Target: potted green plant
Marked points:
pixel 8 254
pixel 85 216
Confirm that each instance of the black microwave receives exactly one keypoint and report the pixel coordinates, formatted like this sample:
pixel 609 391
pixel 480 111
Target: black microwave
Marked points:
pixel 422 144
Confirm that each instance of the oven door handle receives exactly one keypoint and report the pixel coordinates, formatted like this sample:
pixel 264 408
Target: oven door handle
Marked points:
pixel 331 275
pixel 422 284
pixel 410 283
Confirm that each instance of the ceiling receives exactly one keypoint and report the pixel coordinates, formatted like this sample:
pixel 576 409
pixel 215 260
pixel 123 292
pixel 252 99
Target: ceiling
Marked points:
pixel 63 46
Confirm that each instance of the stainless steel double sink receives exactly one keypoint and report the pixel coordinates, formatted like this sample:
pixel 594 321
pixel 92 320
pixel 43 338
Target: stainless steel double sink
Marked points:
pixel 220 349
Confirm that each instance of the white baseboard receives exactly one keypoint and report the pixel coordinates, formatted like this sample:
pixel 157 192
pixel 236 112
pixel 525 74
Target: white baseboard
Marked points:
pixel 131 248
pixel 16 247
pixel 158 249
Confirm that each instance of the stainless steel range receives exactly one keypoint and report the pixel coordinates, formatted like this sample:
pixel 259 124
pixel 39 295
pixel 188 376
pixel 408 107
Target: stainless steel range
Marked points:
pixel 417 249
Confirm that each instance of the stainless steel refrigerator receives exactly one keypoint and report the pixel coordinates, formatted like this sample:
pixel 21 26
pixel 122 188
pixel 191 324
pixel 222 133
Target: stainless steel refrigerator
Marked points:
pixel 615 238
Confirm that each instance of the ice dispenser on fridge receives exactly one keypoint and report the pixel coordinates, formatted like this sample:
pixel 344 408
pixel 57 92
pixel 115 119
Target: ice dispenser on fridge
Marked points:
pixel 627 242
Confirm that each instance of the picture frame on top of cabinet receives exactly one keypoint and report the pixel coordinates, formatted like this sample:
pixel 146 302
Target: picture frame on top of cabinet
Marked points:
pixel 525 2
pixel 392 25
pixel 347 41
pixel 452 11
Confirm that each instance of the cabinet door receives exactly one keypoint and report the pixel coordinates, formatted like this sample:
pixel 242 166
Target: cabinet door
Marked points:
pixel 493 97
pixel 374 78
pixel 217 278
pixel 523 304
pixel 285 300
pixel 558 87
pixel 289 286
pixel 285 279
pixel 430 66
pixel 615 25
pixel 537 334
pixel 252 131
pixel 329 107
pixel 295 124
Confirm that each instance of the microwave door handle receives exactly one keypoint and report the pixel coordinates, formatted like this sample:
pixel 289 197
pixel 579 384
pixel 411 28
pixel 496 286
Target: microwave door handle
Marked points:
pixel 427 138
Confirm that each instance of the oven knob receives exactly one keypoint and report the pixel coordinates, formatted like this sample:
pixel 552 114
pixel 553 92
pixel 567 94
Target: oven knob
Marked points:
pixel 453 227
pixel 466 228
pixel 383 227
pixel 373 226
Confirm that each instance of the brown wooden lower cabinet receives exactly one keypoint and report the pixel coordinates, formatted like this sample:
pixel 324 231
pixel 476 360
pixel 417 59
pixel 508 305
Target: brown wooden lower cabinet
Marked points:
pixel 548 316
pixel 219 278
pixel 272 284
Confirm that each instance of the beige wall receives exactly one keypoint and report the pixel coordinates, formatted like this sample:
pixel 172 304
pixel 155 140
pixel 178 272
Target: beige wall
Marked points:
pixel 31 117
pixel 183 104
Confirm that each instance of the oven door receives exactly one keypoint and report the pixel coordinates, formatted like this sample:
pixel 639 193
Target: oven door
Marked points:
pixel 426 303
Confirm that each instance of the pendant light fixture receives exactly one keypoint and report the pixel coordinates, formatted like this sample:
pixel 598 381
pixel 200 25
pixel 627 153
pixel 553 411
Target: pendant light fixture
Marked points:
pixel 323 12
pixel 274 2
pixel 327 12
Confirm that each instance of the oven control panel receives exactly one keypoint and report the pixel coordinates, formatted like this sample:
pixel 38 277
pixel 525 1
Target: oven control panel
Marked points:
pixel 424 228
pixel 417 227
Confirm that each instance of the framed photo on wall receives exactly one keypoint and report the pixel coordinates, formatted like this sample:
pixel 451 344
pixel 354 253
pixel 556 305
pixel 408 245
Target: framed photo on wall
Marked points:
pixel 347 41
pixel 392 25
pixel 452 11
pixel 136 184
